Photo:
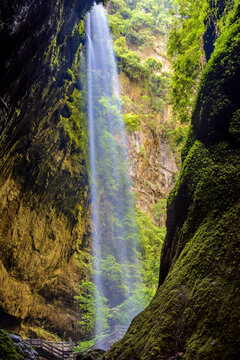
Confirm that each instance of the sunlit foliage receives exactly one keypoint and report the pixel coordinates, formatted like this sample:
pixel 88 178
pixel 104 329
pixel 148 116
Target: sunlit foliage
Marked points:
pixel 185 47
pixel 189 22
pixel 87 302
pixel 150 242
pixel 138 26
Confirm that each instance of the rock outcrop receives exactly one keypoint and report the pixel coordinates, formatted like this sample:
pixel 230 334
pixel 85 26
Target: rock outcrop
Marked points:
pixel 44 202
pixel 12 347
pixel 196 310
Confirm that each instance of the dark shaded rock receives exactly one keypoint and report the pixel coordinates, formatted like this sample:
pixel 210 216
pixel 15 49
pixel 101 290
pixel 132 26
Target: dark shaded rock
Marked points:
pixel 216 10
pixel 96 354
pixel 8 321
pixel 178 356
pixel 25 350
pixel 65 112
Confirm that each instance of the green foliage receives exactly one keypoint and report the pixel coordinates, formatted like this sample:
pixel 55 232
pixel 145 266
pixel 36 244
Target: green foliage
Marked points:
pixel 116 24
pixel 129 61
pixel 151 239
pixel 184 48
pixel 158 211
pixel 139 15
pixel 138 70
pixel 73 121
pixel 88 299
pixel 84 345
pixel 222 21
pixel 152 64
pixel 114 279
pixel 132 122
pixel 175 133
pixel 139 24
pixel 135 303
pixel 117 277
pixel 81 28
pixel 7 348
pixel 158 86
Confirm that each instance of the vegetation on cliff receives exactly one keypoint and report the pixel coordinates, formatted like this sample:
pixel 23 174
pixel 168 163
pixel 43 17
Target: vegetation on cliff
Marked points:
pixel 137 28
pixel 140 34
pixel 7 348
pixel 193 31
pixel 150 242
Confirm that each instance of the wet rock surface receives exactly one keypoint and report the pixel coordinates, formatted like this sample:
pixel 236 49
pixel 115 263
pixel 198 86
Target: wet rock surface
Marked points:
pixel 25 350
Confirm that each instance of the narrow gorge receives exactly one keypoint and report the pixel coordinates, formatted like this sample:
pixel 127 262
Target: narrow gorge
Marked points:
pixel 168 227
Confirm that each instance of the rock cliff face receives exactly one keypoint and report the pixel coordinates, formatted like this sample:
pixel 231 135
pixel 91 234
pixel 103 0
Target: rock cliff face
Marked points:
pixel 44 210
pixel 195 313
pixel 153 163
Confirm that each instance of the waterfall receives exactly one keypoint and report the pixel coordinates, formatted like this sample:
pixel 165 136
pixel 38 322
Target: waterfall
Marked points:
pixel 114 236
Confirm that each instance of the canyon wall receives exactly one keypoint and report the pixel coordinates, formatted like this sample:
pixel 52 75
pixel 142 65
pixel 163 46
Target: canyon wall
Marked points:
pixel 44 197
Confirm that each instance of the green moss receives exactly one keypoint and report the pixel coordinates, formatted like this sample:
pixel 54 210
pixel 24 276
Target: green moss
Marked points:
pixel 208 183
pixel 74 123
pixel 7 348
pixel 188 144
pixel 234 128
pixel 199 301
pixel 81 28
pixel 217 101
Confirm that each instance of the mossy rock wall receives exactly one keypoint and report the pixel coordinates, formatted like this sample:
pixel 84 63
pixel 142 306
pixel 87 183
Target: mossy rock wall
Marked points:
pixel 196 311
pixel 7 349
pixel 44 206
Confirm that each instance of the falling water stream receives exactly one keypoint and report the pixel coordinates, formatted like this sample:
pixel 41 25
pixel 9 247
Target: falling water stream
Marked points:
pixel 113 215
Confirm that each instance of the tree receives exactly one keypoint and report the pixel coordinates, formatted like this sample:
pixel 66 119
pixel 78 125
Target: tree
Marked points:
pixel 87 299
